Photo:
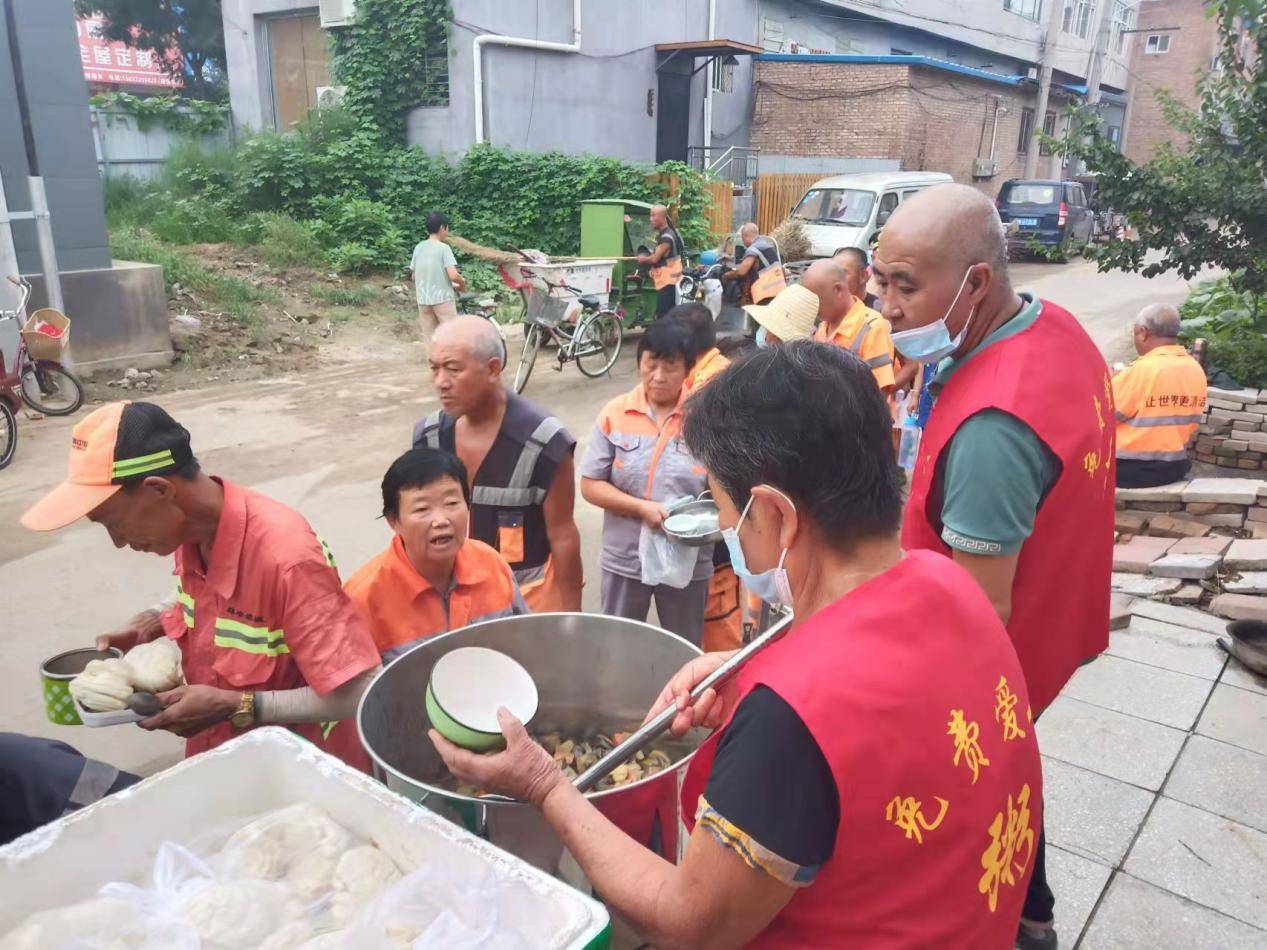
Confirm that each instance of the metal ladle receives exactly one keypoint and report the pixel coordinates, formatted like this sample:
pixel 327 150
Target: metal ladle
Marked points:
pixel 651 730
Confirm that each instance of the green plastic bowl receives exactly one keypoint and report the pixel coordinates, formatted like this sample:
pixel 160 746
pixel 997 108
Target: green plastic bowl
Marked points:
pixel 459 734
pixel 56 674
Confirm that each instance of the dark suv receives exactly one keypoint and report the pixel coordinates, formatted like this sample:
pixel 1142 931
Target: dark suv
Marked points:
pixel 1056 214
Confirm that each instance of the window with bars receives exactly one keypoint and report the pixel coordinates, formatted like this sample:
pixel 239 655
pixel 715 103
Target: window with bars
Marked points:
pixel 1026 8
pixel 1049 129
pixel 723 75
pixel 1123 19
pixel 1077 18
pixel 1157 43
pixel 1027 130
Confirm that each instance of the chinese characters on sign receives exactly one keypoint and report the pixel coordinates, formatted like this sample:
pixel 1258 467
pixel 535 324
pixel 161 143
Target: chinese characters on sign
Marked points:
pixel 964 736
pixel 1005 711
pixel 1011 846
pixel 109 62
pixel 908 814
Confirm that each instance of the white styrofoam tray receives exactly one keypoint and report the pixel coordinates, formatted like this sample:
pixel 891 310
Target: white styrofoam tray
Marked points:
pixel 117 838
pixel 116 717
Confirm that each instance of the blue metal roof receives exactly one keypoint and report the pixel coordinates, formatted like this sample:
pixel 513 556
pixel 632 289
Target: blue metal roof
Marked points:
pixel 894 60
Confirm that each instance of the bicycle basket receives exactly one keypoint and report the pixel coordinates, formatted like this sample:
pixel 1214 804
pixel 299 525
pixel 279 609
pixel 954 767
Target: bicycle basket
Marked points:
pixel 46 334
pixel 543 309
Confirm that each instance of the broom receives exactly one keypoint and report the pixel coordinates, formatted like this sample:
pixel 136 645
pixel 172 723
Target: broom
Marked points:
pixel 490 254
pixel 793 241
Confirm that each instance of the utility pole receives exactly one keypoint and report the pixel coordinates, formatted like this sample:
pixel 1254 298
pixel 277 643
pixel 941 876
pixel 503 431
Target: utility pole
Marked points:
pixel 1095 70
pixel 1048 58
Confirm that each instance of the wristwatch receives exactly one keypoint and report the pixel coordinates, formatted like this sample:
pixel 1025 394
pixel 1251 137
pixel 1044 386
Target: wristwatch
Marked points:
pixel 244 716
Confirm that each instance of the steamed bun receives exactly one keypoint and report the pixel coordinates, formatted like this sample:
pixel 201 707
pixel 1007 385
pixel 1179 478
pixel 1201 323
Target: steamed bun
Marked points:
pixel 155 665
pixel 103 686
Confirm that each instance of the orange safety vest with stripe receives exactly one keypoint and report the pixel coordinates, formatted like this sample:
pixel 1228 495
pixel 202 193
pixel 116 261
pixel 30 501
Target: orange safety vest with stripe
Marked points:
pixel 669 271
pixel 403 609
pixel 706 367
pixel 865 334
pixel 1160 399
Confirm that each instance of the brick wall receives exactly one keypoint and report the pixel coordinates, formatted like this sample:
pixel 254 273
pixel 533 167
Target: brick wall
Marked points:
pixel 1191 48
pixel 927 119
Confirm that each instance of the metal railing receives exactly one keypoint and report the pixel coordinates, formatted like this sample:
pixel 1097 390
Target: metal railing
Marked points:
pixel 735 163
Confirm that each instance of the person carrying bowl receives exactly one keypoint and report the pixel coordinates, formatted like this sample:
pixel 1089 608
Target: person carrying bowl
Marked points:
pixel 266 633
pixel 870 781
pixel 434 576
pixel 635 464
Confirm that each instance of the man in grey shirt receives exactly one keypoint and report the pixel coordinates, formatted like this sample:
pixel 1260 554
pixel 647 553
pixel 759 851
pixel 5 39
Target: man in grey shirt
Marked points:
pixel 434 271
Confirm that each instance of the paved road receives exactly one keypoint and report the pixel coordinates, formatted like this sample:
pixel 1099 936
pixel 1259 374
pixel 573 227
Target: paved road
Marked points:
pixel 319 442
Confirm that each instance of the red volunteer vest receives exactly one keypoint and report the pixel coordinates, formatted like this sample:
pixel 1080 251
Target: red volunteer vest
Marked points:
pixel 1052 378
pixel 912 690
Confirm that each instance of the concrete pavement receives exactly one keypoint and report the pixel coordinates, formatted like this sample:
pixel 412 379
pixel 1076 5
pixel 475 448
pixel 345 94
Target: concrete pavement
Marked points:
pixel 1156 767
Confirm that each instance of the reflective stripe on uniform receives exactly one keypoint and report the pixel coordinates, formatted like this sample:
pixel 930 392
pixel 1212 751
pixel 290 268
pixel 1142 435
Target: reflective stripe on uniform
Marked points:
pixel 856 346
pixel 547 429
pixel 507 497
pixel 235 635
pixel 431 430
pixel 93 784
pixel 327 728
pixel 1152 456
pixel 1147 421
pixel 882 360
pixel 186 605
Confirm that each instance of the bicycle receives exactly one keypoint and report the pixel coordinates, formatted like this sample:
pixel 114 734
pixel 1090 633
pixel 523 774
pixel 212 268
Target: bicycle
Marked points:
pixel 593 345
pixel 480 305
pixel 43 382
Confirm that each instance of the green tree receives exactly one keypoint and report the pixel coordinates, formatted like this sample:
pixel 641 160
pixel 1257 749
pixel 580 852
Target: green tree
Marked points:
pixel 192 27
pixel 1204 205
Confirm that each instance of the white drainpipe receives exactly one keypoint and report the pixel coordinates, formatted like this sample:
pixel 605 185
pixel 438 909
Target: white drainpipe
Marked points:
pixel 492 39
pixel 708 83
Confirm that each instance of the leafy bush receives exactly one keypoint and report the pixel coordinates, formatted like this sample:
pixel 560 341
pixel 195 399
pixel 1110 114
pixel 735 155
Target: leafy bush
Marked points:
pixel 352 258
pixel 1233 323
pixel 128 200
pixel 193 170
pixel 285 242
pixel 360 225
pixel 194 221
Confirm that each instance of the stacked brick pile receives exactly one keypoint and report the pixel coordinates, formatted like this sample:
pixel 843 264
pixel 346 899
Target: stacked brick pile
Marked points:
pixel 1233 432
pixel 1199 543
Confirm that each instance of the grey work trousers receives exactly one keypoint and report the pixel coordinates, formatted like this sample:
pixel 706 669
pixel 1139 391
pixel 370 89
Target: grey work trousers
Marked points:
pixel 680 611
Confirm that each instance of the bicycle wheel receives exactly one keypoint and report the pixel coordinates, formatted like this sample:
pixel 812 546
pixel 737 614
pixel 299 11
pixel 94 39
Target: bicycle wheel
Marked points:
pixel 597 343
pixel 532 343
pixel 52 389
pixel 8 434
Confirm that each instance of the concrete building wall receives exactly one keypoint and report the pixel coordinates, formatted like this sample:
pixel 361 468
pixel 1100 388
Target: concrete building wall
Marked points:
pixel 909 117
pixel 595 101
pixel 1191 50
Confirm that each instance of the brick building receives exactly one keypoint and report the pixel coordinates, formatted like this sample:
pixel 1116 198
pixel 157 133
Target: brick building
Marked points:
pixel 914 112
pixel 1172 51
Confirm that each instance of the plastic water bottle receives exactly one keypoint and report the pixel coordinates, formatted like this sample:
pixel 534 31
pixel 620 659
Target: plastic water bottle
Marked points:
pixel 908 444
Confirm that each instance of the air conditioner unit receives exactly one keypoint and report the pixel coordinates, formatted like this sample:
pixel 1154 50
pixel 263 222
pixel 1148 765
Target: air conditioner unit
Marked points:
pixel 329 96
pixel 984 168
pixel 336 12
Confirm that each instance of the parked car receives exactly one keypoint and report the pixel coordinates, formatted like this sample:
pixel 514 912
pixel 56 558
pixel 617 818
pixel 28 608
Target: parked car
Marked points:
pixel 1055 214
pixel 850 210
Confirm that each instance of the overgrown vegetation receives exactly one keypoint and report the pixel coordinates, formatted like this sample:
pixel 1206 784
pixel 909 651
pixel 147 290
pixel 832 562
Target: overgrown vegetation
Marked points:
pixel 392 58
pixel 329 192
pixel 1229 320
pixel 174 113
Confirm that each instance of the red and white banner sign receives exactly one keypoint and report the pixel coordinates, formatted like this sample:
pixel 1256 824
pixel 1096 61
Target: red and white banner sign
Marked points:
pixel 108 62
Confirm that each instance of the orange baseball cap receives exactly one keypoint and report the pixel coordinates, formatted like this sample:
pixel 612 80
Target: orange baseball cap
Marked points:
pixel 119 443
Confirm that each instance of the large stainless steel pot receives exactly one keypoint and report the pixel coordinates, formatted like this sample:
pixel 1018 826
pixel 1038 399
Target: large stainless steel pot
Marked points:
pixel 594 674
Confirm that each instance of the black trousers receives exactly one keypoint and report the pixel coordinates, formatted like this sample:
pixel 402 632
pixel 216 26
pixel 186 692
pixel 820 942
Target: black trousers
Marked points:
pixel 1137 473
pixel 1040 902
pixel 41 780
pixel 665 300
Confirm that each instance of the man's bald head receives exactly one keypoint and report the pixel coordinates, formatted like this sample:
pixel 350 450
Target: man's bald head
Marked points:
pixel 473 335
pixel 830 284
pixel 960 222
pixel 659 216
pixel 748 233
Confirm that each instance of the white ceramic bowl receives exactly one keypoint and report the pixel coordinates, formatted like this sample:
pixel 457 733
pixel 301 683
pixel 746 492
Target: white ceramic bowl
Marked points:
pixel 682 524
pixel 470 684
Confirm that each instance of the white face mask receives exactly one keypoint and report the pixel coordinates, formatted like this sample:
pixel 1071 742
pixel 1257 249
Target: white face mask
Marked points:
pixel 932 342
pixel 772 586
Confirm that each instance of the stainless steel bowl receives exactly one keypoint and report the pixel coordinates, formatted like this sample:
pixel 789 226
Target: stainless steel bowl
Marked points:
pixel 593 673
pixel 698 507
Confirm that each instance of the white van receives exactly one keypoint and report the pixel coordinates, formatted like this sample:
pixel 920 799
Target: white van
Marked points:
pixel 850 210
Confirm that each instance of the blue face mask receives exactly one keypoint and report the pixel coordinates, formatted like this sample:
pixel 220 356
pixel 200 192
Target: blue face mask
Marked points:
pixel 762 338
pixel 773 585
pixel 931 343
